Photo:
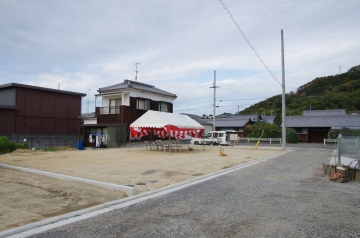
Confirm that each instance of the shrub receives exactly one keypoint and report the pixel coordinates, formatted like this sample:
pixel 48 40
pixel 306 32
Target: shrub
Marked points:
pixel 333 134
pixel 7 146
pixel 291 136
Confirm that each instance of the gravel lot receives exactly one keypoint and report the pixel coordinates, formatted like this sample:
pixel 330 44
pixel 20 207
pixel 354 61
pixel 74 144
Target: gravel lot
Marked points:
pixel 283 197
pixel 26 198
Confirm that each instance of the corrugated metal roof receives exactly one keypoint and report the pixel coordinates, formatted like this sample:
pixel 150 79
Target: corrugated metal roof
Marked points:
pixel 134 85
pixel 16 85
pixel 323 121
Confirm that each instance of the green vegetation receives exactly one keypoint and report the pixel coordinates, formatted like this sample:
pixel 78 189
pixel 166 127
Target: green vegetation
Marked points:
pixel 7 146
pixel 340 91
pixel 333 134
pixel 291 136
pixel 49 149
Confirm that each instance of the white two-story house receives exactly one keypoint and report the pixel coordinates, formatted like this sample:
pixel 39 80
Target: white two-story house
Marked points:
pixel 119 105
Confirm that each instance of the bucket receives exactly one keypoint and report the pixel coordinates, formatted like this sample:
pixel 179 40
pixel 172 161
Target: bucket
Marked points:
pixel 79 145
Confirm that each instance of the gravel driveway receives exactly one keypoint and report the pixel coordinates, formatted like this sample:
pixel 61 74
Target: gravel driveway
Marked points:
pixel 283 197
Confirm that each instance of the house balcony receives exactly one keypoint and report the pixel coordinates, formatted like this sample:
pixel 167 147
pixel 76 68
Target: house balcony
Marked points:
pixel 112 115
pixel 107 110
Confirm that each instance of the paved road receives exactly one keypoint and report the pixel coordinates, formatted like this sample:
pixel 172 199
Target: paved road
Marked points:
pixel 282 197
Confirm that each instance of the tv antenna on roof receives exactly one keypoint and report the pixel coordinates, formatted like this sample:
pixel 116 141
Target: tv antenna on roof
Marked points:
pixel 88 102
pixel 136 71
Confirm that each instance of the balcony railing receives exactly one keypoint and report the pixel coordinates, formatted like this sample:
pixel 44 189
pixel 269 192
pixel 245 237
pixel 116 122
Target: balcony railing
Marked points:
pixel 109 110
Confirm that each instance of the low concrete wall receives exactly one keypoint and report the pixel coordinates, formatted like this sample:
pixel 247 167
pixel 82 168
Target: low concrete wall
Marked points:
pixel 45 141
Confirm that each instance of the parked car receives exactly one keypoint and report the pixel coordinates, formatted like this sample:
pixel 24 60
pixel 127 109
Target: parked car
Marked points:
pixel 213 138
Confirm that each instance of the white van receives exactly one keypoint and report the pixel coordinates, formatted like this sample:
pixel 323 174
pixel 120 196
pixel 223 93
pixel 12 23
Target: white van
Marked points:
pixel 213 138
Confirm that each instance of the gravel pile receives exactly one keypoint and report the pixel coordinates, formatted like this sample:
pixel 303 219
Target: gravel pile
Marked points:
pixel 283 197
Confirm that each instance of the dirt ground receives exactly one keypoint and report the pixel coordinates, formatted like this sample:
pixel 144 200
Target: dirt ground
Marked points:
pixel 27 197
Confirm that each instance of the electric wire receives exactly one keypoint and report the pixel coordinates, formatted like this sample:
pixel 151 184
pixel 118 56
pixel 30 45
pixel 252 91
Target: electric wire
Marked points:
pixel 246 39
pixel 323 61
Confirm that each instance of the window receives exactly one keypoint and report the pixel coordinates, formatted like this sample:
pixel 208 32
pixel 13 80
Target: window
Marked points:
pixel 163 107
pixel 208 135
pixel 143 104
pixel 115 106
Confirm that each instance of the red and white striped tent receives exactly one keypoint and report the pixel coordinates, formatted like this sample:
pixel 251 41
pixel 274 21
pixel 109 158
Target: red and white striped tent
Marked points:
pixel 163 124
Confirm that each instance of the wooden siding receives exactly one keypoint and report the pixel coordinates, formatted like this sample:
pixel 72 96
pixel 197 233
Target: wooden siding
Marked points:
pixel 317 135
pixel 8 121
pixel 42 112
pixel 109 118
pixel 47 104
pixel 303 138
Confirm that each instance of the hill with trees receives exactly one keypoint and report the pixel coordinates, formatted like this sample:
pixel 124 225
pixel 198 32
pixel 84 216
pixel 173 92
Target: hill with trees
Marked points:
pixel 331 92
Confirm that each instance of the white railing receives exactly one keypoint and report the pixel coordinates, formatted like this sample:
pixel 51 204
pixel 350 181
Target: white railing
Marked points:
pixel 270 140
pixel 330 141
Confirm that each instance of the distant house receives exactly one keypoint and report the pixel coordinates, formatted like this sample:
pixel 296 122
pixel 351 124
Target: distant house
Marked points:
pixel 332 112
pixel 36 113
pixel 268 119
pixel 314 126
pixel 235 123
pixel 206 124
pixel 119 105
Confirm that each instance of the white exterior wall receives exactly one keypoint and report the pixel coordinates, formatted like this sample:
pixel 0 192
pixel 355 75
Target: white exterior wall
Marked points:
pixel 125 96
pixel 152 96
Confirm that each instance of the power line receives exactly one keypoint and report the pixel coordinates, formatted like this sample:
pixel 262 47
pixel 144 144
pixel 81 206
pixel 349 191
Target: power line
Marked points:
pixel 193 108
pixel 194 89
pixel 184 105
pixel 324 60
pixel 246 39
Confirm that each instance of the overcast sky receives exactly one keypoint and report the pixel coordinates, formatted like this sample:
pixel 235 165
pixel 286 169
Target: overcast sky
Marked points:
pixel 88 44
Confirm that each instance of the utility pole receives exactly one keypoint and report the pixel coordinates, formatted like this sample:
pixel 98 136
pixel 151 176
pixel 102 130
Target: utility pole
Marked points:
pixel 214 87
pixel 136 71
pixel 283 94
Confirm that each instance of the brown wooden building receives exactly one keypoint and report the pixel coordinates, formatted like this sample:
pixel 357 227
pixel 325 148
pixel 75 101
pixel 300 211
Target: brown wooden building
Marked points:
pixel 31 110
pixel 119 105
pixel 314 126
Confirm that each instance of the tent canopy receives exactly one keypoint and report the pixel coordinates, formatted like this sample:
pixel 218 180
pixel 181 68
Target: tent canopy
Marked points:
pixel 162 123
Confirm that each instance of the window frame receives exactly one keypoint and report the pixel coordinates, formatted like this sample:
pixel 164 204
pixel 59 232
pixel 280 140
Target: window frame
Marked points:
pixel 145 104
pixel 163 105
pixel 115 109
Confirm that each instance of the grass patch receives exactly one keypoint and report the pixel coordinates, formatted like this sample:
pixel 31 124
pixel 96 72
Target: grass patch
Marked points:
pixel 48 149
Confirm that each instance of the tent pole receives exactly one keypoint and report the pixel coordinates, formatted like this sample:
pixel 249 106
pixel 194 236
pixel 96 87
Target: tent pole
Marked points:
pixel 129 138
pixel 169 141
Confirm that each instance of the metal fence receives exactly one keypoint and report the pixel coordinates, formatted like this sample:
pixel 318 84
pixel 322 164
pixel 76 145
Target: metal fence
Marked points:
pixel 349 146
